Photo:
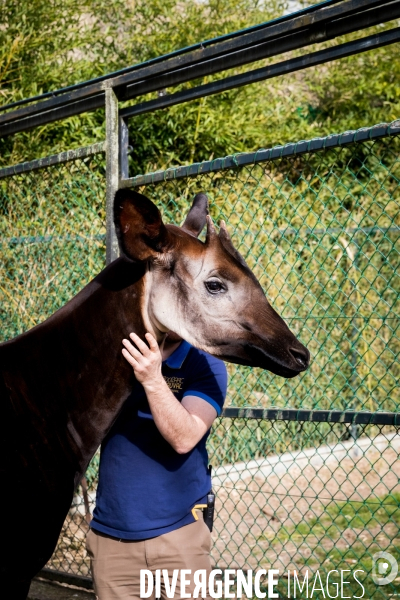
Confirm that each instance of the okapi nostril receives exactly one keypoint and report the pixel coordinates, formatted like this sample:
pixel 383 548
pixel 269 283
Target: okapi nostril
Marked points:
pixel 302 357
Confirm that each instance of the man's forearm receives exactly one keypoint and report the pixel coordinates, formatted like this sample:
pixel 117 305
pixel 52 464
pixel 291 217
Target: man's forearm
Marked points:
pixel 180 428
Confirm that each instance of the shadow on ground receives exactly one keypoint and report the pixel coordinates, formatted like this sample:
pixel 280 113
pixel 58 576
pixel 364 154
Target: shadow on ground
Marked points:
pixel 45 590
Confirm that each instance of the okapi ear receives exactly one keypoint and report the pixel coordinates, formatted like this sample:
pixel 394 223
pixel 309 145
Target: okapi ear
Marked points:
pixel 227 244
pixel 211 231
pixel 196 218
pixel 139 227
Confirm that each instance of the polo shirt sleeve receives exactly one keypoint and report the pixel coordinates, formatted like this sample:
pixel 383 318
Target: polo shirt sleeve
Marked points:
pixel 208 381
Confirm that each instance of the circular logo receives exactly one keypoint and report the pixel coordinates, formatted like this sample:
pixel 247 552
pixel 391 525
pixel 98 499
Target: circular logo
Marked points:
pixel 384 568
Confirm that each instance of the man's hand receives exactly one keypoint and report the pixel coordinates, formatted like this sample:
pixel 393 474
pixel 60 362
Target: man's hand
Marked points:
pixel 146 361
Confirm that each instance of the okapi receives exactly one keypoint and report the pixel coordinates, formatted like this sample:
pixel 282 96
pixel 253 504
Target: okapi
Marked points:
pixel 64 382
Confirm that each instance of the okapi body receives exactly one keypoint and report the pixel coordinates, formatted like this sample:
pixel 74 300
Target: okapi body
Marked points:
pixel 64 382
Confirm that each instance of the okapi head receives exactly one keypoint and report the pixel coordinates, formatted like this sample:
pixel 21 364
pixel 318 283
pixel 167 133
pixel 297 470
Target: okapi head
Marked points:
pixel 204 292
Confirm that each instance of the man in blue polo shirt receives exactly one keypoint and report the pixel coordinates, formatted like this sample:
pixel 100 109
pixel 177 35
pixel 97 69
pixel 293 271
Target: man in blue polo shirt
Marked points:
pixel 154 469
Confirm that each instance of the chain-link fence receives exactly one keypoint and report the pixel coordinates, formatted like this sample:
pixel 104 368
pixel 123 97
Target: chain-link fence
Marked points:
pixel 319 224
pixel 307 508
pixel 52 234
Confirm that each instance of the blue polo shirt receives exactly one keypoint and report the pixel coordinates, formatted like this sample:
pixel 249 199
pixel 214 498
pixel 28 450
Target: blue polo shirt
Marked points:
pixel 145 487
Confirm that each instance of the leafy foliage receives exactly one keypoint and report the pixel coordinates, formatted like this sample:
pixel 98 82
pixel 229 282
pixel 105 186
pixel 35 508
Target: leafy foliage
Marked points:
pixel 46 45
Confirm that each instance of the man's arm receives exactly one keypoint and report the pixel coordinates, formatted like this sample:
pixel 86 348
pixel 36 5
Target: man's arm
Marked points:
pixel 182 424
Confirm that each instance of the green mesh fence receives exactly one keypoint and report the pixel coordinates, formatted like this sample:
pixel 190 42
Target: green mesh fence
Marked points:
pixel 321 231
pixel 52 237
pixel 307 508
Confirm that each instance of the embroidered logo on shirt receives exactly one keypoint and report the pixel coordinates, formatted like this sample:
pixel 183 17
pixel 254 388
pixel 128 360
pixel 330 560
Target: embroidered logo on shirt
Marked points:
pixel 174 383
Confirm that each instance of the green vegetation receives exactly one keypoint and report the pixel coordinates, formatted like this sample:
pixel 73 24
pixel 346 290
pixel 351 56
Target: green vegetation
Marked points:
pixel 51 240
pixel 46 45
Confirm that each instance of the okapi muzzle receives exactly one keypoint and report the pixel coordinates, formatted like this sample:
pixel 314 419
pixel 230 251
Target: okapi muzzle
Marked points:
pixel 205 292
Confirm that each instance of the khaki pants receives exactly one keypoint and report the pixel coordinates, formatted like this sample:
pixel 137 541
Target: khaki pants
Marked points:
pixel 116 564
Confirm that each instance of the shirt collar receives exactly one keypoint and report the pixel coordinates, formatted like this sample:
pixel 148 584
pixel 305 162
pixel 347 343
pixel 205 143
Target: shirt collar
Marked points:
pixel 177 358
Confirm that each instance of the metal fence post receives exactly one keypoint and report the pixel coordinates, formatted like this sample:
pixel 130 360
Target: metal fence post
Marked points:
pixel 123 149
pixel 112 171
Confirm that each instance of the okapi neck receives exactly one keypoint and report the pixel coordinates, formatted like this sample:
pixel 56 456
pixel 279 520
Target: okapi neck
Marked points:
pixel 79 395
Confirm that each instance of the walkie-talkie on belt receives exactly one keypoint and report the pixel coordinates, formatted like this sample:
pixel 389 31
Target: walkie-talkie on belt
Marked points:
pixel 208 513
pixel 208 509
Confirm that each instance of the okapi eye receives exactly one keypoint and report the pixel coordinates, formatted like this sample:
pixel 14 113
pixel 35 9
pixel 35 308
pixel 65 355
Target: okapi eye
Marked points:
pixel 214 286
